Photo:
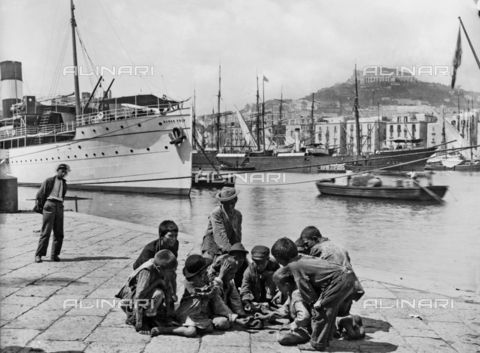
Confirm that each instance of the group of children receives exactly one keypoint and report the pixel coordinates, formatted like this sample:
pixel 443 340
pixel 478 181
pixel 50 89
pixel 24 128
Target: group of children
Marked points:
pixel 309 282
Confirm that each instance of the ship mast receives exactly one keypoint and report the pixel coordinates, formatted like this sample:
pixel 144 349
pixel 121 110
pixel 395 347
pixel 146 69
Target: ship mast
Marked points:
pixel 218 111
pixel 75 63
pixel 194 123
pixel 312 127
pixel 258 118
pixel 357 119
pixel 263 113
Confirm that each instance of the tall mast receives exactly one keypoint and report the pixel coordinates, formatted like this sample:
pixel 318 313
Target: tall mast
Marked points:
pixel 312 129
pixel 194 122
pixel 218 110
pixel 263 113
pixel 75 63
pixel 281 110
pixel 357 118
pixel 258 118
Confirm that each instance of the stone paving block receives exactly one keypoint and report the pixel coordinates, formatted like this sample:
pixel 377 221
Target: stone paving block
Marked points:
pixel 271 347
pixel 465 348
pixel 89 307
pixel 10 312
pixel 264 336
pixel 175 344
pixel 15 339
pixel 38 291
pixel 71 328
pixel 442 315
pixel 6 291
pixel 115 319
pixel 37 346
pixel 379 293
pixel 115 347
pixel 223 349
pixel 227 338
pixel 104 293
pixel 412 328
pixel 428 345
pixel 60 302
pixel 15 299
pixel 36 319
pixel 451 331
pixel 78 289
pixel 113 334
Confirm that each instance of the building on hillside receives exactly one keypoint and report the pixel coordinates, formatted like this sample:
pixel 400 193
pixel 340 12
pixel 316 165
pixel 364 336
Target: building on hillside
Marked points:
pixel 379 74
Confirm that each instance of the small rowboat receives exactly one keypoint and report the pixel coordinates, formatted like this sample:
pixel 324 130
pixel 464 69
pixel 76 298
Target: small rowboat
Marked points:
pixel 416 193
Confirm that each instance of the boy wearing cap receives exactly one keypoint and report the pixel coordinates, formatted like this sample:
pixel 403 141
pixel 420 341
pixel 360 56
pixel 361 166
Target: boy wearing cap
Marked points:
pixel 322 284
pixel 168 234
pixel 294 309
pixel 224 225
pixel 149 292
pixel 49 202
pixel 239 252
pixel 201 309
pixel 258 285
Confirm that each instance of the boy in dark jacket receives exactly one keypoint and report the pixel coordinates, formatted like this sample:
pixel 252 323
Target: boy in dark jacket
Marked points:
pixel 49 202
pixel 322 284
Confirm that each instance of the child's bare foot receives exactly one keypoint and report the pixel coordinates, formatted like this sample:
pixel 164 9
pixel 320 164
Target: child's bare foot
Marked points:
pixel 156 331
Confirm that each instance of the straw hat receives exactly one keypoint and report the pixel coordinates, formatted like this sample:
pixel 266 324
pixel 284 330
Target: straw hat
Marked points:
pixel 227 194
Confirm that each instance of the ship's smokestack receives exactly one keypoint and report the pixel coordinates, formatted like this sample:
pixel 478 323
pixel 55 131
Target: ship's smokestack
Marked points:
pixel 297 140
pixel 11 85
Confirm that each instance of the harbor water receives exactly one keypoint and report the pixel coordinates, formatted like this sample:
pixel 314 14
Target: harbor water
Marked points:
pixel 436 242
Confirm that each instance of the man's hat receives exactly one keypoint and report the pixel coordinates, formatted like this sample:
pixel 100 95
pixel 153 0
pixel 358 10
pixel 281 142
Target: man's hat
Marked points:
pixel 194 265
pixel 165 259
pixel 64 166
pixel 260 252
pixel 227 194
pixel 237 247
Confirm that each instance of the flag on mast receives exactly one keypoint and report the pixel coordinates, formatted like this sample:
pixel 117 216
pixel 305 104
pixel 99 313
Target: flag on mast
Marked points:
pixel 457 59
pixel 265 79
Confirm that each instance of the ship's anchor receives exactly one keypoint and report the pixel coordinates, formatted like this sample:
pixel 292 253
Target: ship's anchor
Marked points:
pixel 177 136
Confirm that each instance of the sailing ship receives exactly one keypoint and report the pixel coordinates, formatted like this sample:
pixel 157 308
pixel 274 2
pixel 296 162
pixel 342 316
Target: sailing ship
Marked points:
pixel 139 143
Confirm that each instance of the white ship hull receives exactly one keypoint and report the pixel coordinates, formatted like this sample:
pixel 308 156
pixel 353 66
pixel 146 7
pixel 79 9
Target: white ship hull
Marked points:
pixel 128 155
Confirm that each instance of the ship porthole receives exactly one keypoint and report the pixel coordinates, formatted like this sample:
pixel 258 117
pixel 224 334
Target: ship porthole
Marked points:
pixel 103 154
pixel 160 124
pixel 148 149
pixel 116 152
pixel 75 156
pixel 58 157
pixel 131 151
pixel 83 132
pixel 121 126
pixel 139 125
pixel 94 130
pixel 166 147
pixel 106 128
pixel 86 155
pixel 68 156
pixel 80 147
pixel 94 155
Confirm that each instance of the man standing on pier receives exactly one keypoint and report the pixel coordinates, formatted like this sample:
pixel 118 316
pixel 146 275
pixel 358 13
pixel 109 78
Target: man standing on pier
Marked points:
pixel 224 225
pixel 49 202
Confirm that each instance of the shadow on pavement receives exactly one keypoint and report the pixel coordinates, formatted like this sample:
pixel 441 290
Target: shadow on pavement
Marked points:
pixel 15 349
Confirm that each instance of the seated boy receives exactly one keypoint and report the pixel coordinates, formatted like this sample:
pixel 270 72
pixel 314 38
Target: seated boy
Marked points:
pixel 222 272
pixel 294 309
pixel 322 284
pixel 258 285
pixel 240 254
pixel 167 239
pixel 150 282
pixel 326 249
pixel 201 309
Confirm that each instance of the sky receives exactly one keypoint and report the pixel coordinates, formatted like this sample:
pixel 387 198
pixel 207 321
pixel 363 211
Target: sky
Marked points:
pixel 301 45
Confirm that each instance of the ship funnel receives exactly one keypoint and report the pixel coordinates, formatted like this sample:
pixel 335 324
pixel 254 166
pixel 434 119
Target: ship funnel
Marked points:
pixel 297 140
pixel 11 85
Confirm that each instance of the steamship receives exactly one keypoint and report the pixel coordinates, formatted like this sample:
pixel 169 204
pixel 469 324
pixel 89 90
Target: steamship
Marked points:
pixel 138 143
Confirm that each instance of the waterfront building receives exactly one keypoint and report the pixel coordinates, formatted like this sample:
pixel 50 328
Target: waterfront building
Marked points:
pixel 372 134
pixel 408 126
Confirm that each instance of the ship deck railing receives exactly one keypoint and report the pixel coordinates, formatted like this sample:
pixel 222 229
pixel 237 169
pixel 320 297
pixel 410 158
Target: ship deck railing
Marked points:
pixel 125 113
pixel 34 131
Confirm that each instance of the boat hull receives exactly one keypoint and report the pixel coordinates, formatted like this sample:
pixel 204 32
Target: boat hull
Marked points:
pixel 391 193
pixel 126 155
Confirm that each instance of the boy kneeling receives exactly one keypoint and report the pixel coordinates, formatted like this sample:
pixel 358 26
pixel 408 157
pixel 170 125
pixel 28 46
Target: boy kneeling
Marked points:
pixel 294 309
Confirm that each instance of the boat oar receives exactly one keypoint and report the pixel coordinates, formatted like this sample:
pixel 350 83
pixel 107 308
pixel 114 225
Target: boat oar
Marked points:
pixel 428 191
